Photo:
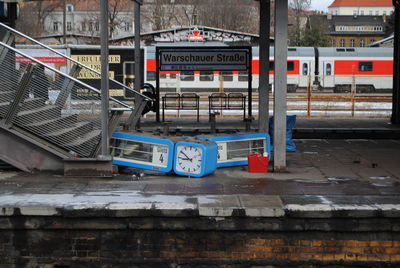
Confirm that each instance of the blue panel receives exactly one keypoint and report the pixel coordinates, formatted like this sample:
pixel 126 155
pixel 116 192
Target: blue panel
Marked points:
pixel 146 139
pixel 237 137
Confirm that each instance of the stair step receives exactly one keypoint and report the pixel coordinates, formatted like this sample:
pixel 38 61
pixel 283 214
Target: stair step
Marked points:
pixel 84 145
pixel 6 96
pixel 3 108
pixel 69 134
pixel 53 124
pixel 32 103
pixel 39 114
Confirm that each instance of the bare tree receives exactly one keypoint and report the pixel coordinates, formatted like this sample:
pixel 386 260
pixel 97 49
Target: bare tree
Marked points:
pixel 298 8
pixel 33 15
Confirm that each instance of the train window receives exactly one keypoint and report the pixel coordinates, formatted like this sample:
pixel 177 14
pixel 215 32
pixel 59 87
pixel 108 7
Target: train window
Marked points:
pixel 226 76
pixel 206 76
pixel 328 70
pixel 305 69
pixel 365 66
pixel 163 76
pixel 290 65
pixel 243 76
pixel 172 76
pixel 271 65
pixel 151 76
pixel 187 76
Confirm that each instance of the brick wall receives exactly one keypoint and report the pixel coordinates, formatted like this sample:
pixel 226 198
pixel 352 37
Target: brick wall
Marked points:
pixel 122 242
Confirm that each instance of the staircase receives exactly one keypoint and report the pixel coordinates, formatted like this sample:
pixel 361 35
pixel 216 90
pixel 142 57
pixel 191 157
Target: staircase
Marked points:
pixel 43 132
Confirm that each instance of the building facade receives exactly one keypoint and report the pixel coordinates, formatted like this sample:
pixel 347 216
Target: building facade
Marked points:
pixel 355 31
pixel 361 8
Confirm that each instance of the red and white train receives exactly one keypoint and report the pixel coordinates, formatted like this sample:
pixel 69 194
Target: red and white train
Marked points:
pixel 335 69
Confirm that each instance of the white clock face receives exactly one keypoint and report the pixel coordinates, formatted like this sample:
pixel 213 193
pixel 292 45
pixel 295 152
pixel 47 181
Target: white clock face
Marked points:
pixel 189 159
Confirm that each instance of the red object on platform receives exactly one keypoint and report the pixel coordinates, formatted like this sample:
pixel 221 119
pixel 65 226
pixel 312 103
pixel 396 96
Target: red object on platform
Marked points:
pixel 257 163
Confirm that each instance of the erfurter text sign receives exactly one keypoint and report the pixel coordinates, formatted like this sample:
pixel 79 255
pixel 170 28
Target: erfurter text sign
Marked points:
pixel 204 59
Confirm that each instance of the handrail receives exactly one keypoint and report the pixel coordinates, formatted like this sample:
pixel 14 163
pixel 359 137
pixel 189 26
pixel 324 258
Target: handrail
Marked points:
pixel 75 61
pixel 62 74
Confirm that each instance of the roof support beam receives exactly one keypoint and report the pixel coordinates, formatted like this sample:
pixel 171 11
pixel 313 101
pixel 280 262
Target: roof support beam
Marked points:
pixel 263 104
pixel 105 143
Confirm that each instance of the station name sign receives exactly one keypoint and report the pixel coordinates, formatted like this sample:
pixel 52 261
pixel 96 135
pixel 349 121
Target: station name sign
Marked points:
pixel 204 59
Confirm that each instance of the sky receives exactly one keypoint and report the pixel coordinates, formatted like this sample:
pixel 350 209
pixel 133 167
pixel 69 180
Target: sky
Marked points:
pixel 320 4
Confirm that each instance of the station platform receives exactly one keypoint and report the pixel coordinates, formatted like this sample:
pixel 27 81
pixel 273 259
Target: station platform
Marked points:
pixel 338 204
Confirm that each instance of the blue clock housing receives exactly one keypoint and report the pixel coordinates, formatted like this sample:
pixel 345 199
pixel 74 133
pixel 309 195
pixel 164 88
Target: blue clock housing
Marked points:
pixel 140 151
pixel 195 158
pixel 233 149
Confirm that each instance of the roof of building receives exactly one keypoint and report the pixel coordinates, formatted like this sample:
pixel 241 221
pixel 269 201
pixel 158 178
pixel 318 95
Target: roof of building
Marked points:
pixel 362 3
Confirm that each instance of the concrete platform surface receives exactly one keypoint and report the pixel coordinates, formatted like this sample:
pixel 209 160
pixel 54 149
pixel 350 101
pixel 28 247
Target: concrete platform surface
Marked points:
pixel 359 178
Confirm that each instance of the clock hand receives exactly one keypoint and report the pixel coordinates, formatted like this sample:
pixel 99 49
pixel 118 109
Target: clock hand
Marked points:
pixel 186 156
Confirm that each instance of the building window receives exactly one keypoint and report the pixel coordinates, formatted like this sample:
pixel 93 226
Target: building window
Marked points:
pixel 384 13
pixel 90 26
pixel 370 13
pixel 362 43
pixel 70 8
pixel 342 43
pixel 377 13
pixel 372 41
pixel 352 43
pixel 333 43
pixel 97 26
pixel 83 27
pixel 226 76
pixel 206 76
pixel 69 26
pixel 362 13
pixel 354 12
pixel 187 76
pixel 365 66
pixel 55 26
pixel 128 26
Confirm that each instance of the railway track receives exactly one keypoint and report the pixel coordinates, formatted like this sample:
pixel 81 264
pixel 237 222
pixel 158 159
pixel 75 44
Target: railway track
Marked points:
pixel 316 105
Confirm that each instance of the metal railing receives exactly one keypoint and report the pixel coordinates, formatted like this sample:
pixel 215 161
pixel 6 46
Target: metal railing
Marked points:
pixel 11 30
pixel 50 104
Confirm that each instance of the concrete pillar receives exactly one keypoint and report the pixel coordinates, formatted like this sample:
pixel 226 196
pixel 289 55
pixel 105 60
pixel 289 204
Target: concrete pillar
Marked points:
pixel 280 85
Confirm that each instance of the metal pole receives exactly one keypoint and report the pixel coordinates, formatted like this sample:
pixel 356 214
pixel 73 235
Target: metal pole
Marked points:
pixel 138 78
pixel 250 84
pixel 395 119
pixel 65 22
pixel 280 84
pixel 263 89
pixel 157 101
pixel 105 143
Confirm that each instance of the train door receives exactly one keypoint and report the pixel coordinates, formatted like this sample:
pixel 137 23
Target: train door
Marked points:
pixel 305 74
pixel 328 78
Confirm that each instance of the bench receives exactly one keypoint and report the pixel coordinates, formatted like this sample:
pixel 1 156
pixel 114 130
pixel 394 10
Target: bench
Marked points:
pixel 223 101
pixel 184 101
